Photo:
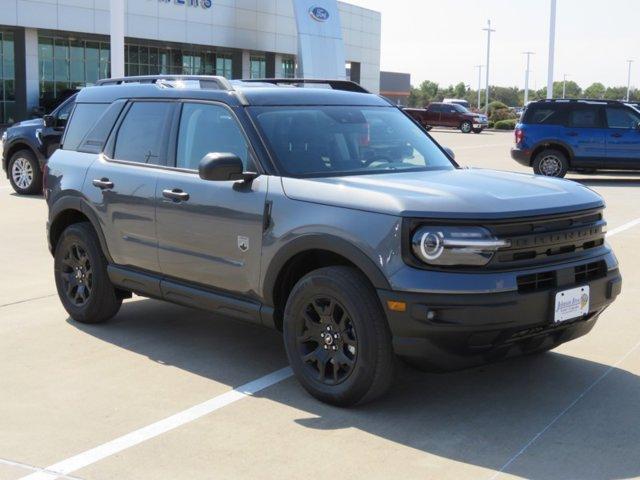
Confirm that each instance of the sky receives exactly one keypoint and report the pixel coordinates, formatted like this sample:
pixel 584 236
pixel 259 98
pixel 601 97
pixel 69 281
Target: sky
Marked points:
pixel 442 40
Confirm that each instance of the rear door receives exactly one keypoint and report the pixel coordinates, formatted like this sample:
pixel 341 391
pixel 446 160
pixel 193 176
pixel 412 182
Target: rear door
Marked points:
pixel 210 233
pixel 450 116
pixel 121 184
pixel 623 138
pixel 433 115
pixel 585 133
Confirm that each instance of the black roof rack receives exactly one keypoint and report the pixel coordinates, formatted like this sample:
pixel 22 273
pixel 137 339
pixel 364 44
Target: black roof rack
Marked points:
pixel 345 85
pixel 575 100
pixel 206 81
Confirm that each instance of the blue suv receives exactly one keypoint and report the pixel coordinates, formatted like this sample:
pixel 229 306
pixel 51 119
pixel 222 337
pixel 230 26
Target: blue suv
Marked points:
pixel 558 136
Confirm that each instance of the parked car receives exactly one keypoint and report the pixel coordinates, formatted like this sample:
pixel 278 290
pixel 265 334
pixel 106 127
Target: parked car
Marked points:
pixel 559 136
pixel 449 115
pixel 457 101
pixel 324 213
pixel 27 145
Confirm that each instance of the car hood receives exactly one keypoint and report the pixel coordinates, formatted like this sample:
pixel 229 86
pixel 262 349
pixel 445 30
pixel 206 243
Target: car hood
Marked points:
pixel 459 193
pixel 35 122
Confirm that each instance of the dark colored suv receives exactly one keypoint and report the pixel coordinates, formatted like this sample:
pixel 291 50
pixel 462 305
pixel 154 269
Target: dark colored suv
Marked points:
pixel 326 213
pixel 558 136
pixel 27 145
pixel 449 115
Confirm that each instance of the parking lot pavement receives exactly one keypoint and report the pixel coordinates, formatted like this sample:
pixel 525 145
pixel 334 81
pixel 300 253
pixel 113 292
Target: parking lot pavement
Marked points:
pixel 67 391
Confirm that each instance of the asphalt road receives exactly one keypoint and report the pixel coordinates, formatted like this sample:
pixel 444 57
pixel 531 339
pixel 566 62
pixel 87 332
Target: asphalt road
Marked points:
pixel 160 392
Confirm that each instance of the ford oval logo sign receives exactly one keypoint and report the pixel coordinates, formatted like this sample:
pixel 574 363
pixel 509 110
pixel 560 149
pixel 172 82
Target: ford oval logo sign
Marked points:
pixel 319 14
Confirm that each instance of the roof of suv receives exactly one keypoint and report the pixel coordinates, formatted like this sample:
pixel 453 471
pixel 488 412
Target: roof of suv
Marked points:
pixel 270 92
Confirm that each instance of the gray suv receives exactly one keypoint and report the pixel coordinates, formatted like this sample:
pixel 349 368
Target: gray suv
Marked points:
pixel 322 211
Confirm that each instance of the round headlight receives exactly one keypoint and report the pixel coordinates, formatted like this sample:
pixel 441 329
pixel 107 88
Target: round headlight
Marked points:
pixel 431 245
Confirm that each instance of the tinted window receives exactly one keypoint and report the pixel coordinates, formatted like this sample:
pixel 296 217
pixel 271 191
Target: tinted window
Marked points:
pixel 142 133
pixel 95 140
pixel 85 116
pixel 208 129
pixel 584 117
pixel 435 108
pixel 545 115
pixel 329 141
pixel 63 113
pixel 622 118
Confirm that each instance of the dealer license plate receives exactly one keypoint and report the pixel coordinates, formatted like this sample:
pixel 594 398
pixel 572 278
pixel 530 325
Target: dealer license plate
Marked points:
pixel 572 304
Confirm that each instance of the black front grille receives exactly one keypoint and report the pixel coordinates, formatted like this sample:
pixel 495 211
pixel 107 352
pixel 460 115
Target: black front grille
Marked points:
pixel 537 282
pixel 549 239
pixel 591 271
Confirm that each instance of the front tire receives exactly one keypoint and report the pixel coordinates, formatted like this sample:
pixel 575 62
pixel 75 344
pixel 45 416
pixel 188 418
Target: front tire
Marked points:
pixel 337 338
pixel 551 163
pixel 80 270
pixel 466 127
pixel 477 130
pixel 25 175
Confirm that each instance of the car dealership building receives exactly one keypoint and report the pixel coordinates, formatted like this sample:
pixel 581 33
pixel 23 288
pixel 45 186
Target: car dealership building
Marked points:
pixel 48 47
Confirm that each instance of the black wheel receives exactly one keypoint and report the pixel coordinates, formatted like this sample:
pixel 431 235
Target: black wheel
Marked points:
pixel 466 127
pixel 337 338
pixel 477 130
pixel 427 128
pixel 551 163
pixel 24 173
pixel 81 276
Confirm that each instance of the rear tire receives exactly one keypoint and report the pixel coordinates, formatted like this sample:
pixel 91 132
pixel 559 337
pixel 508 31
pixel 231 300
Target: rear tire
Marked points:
pixel 551 163
pixel 337 338
pixel 466 127
pixel 25 175
pixel 427 128
pixel 80 270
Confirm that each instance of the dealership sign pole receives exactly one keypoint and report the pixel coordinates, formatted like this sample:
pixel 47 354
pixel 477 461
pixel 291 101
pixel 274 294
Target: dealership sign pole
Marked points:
pixel 479 67
pixel 552 48
pixel 526 77
pixel 629 80
pixel 117 38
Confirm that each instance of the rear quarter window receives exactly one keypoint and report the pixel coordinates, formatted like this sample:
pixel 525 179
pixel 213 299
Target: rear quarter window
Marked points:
pixel 545 115
pixel 83 119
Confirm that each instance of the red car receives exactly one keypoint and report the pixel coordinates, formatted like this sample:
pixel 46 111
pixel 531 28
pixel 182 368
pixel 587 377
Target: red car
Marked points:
pixel 449 115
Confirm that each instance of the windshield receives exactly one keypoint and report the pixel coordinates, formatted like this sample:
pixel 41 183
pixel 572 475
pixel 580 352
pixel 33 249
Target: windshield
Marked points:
pixel 343 140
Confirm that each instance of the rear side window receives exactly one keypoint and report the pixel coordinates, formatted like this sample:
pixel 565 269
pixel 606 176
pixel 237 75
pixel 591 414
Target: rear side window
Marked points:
pixel 142 136
pixel 84 117
pixel 584 117
pixel 96 139
pixel 435 108
pixel 545 115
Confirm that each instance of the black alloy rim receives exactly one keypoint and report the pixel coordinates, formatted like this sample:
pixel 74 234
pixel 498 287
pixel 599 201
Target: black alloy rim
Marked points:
pixel 327 341
pixel 77 275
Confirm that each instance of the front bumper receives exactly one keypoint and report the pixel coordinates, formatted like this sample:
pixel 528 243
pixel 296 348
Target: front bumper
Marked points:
pixel 522 156
pixel 448 331
pixel 480 125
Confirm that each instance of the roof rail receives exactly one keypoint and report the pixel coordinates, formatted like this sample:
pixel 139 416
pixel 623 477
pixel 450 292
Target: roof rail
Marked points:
pixel 590 100
pixel 206 81
pixel 345 85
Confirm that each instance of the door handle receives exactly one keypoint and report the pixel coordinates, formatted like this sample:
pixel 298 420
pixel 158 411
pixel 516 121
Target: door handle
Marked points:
pixel 572 134
pixel 103 184
pixel 176 195
pixel 616 135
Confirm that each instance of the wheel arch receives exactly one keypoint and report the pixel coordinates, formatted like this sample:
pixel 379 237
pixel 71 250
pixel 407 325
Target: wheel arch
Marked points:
pixel 552 144
pixel 308 253
pixel 68 211
pixel 17 146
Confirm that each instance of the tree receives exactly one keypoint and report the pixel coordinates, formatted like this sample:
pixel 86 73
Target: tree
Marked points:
pixel 615 93
pixel 573 90
pixel 595 91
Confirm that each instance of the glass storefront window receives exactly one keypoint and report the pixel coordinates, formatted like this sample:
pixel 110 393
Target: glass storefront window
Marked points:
pixel 288 68
pixel 258 67
pixel 68 63
pixel 7 78
pixel 224 66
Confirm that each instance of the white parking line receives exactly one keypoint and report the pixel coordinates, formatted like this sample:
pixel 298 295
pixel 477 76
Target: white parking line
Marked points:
pixel 129 440
pixel 473 147
pixel 143 434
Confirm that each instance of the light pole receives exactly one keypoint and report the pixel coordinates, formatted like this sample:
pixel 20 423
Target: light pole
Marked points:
pixel 629 80
pixel 552 48
pixel 526 77
pixel 479 67
pixel 117 38
pixel 489 32
pixel 564 86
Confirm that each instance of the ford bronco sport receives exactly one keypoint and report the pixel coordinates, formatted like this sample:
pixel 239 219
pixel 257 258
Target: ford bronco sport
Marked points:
pixel 326 213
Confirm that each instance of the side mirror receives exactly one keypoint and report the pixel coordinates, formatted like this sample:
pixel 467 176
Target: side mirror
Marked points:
pixel 49 121
pixel 449 152
pixel 223 167
pixel 638 126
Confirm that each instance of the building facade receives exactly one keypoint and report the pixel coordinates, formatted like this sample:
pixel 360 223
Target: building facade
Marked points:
pixel 48 47
pixel 396 87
